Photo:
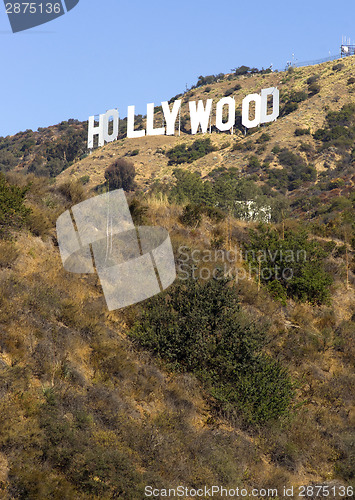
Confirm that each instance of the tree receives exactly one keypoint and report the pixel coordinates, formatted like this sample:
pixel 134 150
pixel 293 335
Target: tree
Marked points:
pixel 291 259
pixel 121 174
pixel 13 212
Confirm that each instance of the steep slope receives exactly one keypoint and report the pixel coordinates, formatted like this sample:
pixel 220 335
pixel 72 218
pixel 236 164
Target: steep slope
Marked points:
pixel 96 405
pixel 86 413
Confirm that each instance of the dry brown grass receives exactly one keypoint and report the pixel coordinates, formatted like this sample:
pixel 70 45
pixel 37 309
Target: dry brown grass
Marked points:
pixel 58 341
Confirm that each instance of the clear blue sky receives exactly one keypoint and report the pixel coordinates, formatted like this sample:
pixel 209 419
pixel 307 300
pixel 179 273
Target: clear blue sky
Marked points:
pixel 113 53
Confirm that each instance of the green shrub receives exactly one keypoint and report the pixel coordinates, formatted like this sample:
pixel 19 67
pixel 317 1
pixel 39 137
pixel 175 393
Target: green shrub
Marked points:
pixel 187 154
pixel 84 179
pixel 260 149
pixel 13 212
pixel 289 107
pixel 306 148
pixel 296 262
pixel 278 178
pixel 351 81
pixel 263 138
pixel 312 79
pixel 298 96
pixel 297 169
pixel 335 183
pixel 191 215
pixel 237 146
pixel 221 191
pixel 7 160
pixel 214 213
pixel 189 187
pixel 94 469
pixel 313 89
pixel 245 70
pixel 254 162
pixel 302 131
pixel 204 80
pixel 277 291
pixel 339 129
pixel 241 70
pixel 291 104
pixel 200 328
pixel 231 91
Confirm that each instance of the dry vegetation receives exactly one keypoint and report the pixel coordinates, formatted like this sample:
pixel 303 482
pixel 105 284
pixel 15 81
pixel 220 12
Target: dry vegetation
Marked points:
pixel 152 164
pixel 87 414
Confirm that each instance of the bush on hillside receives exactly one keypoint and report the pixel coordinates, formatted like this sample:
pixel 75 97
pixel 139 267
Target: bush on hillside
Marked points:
pixel 221 192
pixel 191 215
pixel 312 79
pixel 294 261
pixel 246 70
pixel 204 80
pixel 73 191
pixel 263 138
pixel 7 160
pixel 298 96
pixel 288 108
pixel 13 212
pixel 291 102
pixel 189 187
pixel 339 129
pixel 298 171
pixel 232 90
pixel 200 328
pixel 302 131
pixel 313 89
pixel 187 154
pixel 120 175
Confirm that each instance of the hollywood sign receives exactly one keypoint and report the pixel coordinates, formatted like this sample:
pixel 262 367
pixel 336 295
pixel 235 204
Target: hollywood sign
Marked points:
pixel 107 128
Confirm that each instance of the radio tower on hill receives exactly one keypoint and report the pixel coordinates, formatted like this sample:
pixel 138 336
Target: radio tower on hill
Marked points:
pixel 346 49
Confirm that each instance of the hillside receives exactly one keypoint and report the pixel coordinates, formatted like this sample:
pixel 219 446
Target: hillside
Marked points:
pixel 254 155
pixel 45 152
pixel 240 380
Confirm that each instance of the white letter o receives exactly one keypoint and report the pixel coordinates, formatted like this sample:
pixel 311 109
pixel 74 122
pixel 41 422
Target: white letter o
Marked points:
pixel 245 110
